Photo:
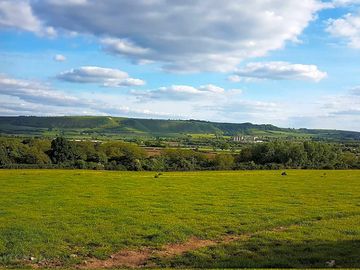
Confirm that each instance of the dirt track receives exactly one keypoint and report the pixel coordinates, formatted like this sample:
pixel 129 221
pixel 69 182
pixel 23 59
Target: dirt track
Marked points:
pixel 142 258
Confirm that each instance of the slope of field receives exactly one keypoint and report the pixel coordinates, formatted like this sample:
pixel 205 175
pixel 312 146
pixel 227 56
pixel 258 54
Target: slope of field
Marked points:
pixel 85 126
pixel 196 219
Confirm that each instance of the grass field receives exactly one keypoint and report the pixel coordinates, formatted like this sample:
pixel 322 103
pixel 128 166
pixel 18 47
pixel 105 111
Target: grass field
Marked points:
pixel 257 218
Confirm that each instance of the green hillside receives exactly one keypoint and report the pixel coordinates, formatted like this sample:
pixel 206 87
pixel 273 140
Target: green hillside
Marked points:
pixel 97 126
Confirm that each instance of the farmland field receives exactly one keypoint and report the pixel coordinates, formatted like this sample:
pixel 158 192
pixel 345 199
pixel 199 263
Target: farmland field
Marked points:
pixel 185 219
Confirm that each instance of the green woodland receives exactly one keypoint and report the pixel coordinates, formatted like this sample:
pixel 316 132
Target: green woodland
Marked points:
pixel 120 155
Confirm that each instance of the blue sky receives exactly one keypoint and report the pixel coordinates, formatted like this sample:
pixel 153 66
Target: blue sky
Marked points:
pixel 288 63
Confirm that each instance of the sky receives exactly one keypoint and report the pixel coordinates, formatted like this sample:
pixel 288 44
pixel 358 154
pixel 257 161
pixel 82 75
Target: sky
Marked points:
pixel 287 63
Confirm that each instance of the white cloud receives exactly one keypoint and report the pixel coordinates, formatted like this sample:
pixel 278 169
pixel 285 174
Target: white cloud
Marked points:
pixel 59 58
pixel 278 71
pixel 247 110
pixel 185 36
pixel 345 102
pixel 208 102
pixel 355 91
pixel 68 2
pixel 19 97
pixel 180 92
pixel 112 109
pixel 353 112
pixel 249 106
pixel 348 28
pixel 19 15
pixel 211 89
pixel 104 76
pixel 344 3
pixel 122 46
pixel 36 92
pixel 13 106
pixel 340 111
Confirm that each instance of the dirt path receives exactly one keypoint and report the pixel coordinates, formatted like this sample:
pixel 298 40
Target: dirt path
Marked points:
pixel 142 258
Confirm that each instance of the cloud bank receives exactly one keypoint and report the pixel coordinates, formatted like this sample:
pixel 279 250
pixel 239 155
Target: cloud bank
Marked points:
pixel 180 92
pixel 35 98
pixel 36 92
pixel 184 36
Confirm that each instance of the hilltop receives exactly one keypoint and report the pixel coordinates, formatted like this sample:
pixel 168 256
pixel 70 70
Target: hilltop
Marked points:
pixel 99 126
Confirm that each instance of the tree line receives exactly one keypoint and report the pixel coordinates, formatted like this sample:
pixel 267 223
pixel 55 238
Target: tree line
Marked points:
pixel 119 155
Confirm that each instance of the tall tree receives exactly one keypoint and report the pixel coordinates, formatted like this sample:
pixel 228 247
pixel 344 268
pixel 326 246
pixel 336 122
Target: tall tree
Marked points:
pixel 62 151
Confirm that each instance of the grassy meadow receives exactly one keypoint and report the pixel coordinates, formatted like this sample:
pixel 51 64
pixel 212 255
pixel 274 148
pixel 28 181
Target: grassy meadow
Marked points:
pixel 303 219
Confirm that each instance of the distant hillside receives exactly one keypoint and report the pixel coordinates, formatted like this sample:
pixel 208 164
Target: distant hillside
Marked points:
pixel 85 126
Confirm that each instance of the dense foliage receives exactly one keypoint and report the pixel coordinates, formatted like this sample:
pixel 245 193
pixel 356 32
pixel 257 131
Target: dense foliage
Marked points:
pixel 119 155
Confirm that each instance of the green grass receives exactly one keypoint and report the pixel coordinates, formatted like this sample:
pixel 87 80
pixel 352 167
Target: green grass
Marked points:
pixel 307 244
pixel 51 214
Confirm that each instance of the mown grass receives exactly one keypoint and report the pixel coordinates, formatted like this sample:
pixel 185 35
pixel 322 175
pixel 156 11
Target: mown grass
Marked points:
pixel 56 214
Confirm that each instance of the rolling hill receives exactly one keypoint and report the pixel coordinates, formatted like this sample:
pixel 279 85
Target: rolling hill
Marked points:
pixel 98 126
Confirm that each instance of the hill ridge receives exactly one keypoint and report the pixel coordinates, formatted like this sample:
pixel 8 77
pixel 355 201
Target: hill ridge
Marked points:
pixel 107 125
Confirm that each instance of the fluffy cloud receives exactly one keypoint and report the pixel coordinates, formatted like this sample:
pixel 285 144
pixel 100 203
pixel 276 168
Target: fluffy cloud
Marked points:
pixel 59 58
pixel 20 15
pixel 186 36
pixel 104 76
pixel 180 92
pixel 37 93
pixel 348 28
pixel 278 71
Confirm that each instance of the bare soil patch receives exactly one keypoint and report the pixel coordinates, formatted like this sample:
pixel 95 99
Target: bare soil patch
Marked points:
pixel 142 258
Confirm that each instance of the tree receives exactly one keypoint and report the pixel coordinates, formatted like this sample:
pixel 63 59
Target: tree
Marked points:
pixel 4 159
pixel 62 151
pixel 127 154
pixel 184 160
pixel 224 161
pixel 350 159
pixel 245 155
pixel 35 156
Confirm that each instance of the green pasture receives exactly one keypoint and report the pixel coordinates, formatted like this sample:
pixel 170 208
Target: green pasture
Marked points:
pixel 56 214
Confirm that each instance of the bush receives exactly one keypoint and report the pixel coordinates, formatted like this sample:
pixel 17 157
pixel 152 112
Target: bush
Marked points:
pixel 224 161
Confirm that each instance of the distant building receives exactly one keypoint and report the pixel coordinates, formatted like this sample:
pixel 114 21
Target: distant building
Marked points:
pixel 238 139
pixel 246 139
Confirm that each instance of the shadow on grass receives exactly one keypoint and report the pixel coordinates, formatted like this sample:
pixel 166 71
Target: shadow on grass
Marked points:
pixel 272 254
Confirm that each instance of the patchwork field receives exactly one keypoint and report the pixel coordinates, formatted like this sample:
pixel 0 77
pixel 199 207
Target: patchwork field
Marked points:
pixel 96 219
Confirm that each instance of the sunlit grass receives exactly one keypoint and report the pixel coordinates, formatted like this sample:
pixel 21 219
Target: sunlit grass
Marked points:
pixel 52 214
